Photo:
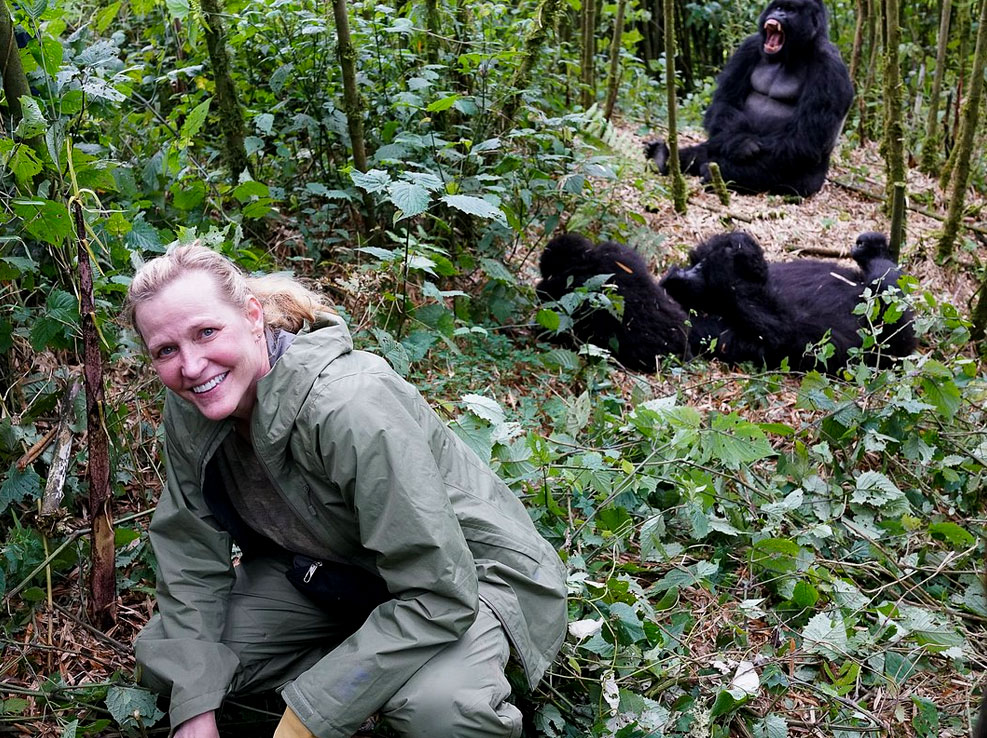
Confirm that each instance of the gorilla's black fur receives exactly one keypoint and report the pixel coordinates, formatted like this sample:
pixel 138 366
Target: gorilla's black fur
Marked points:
pixel 766 313
pixel 778 107
pixel 653 324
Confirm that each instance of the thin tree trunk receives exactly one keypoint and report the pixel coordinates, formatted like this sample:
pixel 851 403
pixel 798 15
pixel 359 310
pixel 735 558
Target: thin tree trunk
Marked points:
pixel 230 113
pixel 353 105
pixel 432 24
pixel 589 54
pixel 894 134
pixel 543 21
pixel 613 78
pixel 874 33
pixel 964 148
pixel 102 574
pixel 979 326
pixel 679 199
pixel 14 81
pixel 930 147
pixel 966 25
pixel 858 41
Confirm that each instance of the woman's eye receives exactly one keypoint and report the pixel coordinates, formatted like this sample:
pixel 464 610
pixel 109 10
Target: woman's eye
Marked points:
pixel 164 352
pixel 207 332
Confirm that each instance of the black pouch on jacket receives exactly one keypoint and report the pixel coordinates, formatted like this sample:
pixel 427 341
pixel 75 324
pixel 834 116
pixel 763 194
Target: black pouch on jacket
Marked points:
pixel 343 591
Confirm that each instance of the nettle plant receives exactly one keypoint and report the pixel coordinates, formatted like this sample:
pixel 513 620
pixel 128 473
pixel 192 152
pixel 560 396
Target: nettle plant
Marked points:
pixel 721 569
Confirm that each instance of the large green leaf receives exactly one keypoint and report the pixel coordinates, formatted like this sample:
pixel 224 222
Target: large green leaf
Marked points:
pixel 195 120
pixel 46 220
pixel 475 206
pixel 19 485
pixel 410 199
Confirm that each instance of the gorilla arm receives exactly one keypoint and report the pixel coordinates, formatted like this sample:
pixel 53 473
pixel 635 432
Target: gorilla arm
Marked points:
pixel 725 118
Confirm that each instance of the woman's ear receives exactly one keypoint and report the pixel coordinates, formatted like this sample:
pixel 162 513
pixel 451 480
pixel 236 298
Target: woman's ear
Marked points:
pixel 255 315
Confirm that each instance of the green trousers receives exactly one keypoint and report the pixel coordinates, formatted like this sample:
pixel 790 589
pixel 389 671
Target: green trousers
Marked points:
pixel 277 634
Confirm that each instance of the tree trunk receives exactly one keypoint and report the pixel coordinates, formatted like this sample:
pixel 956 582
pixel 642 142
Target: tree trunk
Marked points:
pixel 894 134
pixel 543 21
pixel 230 113
pixel 679 199
pixel 858 41
pixel 964 147
pixel 588 96
pixel 613 78
pixel 102 574
pixel 965 26
pixel 874 33
pixel 353 105
pixel 930 147
pixel 14 82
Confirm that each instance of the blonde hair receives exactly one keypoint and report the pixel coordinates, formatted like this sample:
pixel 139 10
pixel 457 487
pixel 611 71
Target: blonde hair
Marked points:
pixel 287 303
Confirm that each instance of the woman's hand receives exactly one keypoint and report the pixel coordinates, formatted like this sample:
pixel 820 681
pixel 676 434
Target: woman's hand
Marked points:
pixel 291 727
pixel 201 726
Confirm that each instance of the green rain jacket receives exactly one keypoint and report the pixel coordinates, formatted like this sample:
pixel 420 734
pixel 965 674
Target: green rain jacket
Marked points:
pixel 359 456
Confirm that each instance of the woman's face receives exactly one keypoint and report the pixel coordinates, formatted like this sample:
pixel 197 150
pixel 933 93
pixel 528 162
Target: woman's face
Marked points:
pixel 206 350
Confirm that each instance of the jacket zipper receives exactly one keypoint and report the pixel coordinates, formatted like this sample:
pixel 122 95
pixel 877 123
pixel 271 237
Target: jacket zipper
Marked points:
pixel 311 571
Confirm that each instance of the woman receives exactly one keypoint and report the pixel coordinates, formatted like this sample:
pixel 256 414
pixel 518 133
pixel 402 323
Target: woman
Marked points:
pixel 414 571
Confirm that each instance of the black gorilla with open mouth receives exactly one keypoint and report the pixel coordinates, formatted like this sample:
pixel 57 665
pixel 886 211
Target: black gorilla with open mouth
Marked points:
pixel 779 104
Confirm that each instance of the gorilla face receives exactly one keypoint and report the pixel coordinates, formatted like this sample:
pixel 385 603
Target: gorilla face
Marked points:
pixel 790 23
pixel 716 268
pixel 870 246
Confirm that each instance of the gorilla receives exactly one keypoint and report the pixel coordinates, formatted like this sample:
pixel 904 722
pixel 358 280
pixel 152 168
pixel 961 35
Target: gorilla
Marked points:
pixel 778 107
pixel 652 324
pixel 767 313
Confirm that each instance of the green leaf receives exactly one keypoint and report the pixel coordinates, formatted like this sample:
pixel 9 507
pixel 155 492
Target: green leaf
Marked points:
pixel 33 121
pixel 393 351
pixel 778 555
pixel 876 490
pixel 926 718
pixel 188 195
pixel 46 220
pixel 825 636
pixel 560 359
pixel 628 620
pixel 24 164
pixel 34 8
pixel 958 537
pixel 376 180
pixel 104 17
pixel 943 393
pixel 443 104
pixel 475 206
pixel 725 703
pixel 195 120
pixel 410 199
pixel 804 595
pixel 485 408
pixel 264 122
pixel 70 730
pixel 19 485
pixel 548 319
pixel 497 271
pixel 249 189
pixel 179 9
pixel 735 441
pixel 280 77
pixel 772 726
pixel 133 706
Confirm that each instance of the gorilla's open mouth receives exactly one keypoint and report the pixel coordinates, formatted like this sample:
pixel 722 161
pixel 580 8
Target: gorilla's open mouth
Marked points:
pixel 774 36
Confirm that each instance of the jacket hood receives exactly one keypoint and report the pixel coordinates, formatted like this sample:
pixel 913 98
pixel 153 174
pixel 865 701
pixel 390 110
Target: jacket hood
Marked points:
pixel 283 391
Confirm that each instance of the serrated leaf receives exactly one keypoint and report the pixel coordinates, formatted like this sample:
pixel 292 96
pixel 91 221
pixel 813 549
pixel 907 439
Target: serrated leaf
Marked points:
pixel 32 121
pixel 825 636
pixel 19 485
pixel 411 199
pixel 46 220
pixel 772 726
pixel 485 408
pixel 735 441
pixel 179 9
pixel 548 319
pixel 628 620
pixel 497 271
pixel 133 706
pixel 393 351
pixel 376 180
pixel 195 120
pixel 876 490
pixel 475 206
pixel 264 122
pixel 560 359
pixel 279 77
pixel 34 8
pixel 943 393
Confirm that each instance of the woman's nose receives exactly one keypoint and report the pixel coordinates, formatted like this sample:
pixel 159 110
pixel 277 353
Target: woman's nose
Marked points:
pixel 193 363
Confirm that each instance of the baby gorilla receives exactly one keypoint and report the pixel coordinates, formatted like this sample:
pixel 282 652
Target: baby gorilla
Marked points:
pixel 778 107
pixel 652 324
pixel 766 313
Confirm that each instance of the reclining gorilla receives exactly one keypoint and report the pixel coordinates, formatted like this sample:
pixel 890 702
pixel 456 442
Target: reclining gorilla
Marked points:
pixel 778 107
pixel 652 324
pixel 766 313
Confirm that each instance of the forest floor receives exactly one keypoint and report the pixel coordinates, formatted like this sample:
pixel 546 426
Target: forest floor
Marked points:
pixel 55 642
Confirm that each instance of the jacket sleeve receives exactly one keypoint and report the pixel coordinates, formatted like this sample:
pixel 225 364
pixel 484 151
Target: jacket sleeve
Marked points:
pixel 180 652
pixel 373 447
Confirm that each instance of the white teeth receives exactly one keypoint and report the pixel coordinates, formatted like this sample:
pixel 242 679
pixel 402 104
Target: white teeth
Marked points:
pixel 210 384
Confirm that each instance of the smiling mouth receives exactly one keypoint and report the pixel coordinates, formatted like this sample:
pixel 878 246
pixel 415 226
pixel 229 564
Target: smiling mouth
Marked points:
pixel 206 386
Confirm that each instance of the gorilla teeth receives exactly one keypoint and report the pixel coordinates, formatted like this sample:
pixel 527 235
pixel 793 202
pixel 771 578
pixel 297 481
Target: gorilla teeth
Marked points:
pixel 775 36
